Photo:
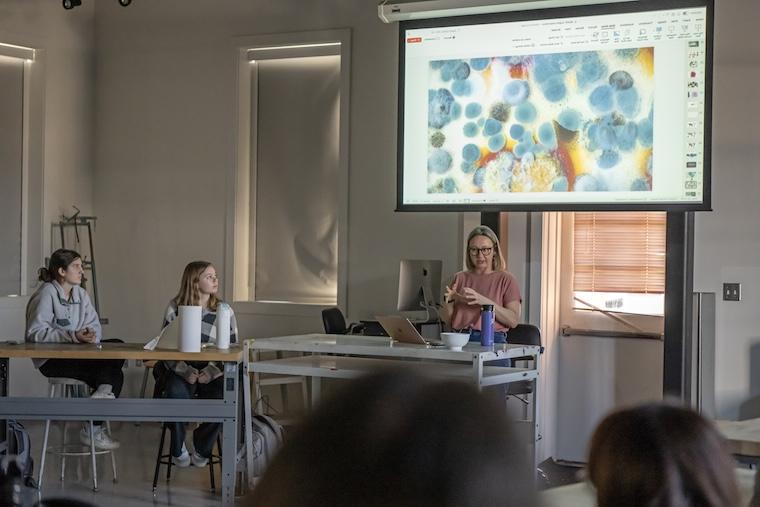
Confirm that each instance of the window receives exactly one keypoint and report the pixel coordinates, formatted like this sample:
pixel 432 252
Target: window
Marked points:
pixel 619 261
pixel 291 186
pixel 11 173
pixel 21 121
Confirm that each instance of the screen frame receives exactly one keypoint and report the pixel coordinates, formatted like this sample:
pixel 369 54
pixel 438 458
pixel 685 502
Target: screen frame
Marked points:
pixel 559 12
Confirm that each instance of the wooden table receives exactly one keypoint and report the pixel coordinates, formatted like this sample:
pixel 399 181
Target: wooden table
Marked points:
pixel 227 410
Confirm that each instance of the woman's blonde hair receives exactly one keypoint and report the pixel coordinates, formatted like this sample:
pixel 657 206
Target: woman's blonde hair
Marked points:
pixel 189 293
pixel 498 263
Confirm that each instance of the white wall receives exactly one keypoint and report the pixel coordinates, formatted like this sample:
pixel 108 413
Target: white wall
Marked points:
pixel 66 38
pixel 727 241
pixel 165 144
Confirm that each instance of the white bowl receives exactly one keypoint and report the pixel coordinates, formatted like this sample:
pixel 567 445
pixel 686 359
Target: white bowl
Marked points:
pixel 455 341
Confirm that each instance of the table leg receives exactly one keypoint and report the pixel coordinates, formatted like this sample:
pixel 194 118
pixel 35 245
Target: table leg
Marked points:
pixel 316 391
pixel 535 434
pixel 230 434
pixel 4 386
pixel 247 418
pixel 477 372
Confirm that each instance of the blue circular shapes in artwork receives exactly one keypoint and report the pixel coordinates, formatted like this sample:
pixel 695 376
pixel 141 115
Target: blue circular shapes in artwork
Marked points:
pixel 515 92
pixel 439 161
pixel 608 159
pixel 570 119
pixel 516 131
pixel 621 80
pixel 491 127
pixel 439 107
pixel 480 64
pixel 560 184
pixel 470 153
pixel 547 135
pixel 473 110
pixel 470 129
pixel 554 88
pixel 628 102
pixel 525 112
pixel 496 143
pixel 601 100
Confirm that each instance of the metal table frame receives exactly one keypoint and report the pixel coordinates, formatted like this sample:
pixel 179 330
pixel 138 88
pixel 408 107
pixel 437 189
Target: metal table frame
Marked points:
pixel 227 411
pixel 377 350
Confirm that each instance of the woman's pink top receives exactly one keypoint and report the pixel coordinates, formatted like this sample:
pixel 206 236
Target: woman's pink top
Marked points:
pixel 499 286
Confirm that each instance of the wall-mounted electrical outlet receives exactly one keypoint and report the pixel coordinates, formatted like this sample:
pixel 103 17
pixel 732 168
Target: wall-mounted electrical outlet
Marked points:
pixel 732 292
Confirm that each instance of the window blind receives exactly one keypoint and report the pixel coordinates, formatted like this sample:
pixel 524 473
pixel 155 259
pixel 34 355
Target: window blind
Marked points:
pixel 619 252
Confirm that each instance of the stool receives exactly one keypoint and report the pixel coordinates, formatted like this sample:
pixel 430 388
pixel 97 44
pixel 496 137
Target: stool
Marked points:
pixel 72 388
pixel 166 459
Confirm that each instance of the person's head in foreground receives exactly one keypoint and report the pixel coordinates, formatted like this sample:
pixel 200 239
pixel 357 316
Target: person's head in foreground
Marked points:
pixel 396 438
pixel 660 455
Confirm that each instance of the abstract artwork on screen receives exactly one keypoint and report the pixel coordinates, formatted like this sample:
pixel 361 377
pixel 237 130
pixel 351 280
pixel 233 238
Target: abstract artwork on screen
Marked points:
pixel 562 122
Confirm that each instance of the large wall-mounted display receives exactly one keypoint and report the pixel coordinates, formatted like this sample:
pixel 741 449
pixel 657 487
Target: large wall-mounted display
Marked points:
pixel 581 108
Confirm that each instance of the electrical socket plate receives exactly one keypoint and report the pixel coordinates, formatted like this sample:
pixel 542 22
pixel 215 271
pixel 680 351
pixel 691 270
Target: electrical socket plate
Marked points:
pixel 732 292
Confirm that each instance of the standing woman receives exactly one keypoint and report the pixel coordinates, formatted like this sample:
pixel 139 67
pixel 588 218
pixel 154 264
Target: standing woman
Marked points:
pixel 200 379
pixel 60 311
pixel 485 282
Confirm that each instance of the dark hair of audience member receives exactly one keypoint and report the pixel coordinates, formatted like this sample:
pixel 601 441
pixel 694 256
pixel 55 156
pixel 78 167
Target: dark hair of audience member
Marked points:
pixel 60 259
pixel 395 438
pixel 660 455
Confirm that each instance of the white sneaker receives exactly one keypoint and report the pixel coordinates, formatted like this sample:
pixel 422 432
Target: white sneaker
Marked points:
pixel 183 460
pixel 102 441
pixel 103 392
pixel 198 460
pixel 98 395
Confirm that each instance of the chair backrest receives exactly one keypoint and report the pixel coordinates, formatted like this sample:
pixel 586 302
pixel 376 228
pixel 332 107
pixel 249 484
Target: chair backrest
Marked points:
pixel 524 334
pixel 333 321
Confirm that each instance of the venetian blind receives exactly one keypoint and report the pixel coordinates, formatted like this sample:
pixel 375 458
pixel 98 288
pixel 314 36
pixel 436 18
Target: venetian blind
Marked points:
pixel 619 252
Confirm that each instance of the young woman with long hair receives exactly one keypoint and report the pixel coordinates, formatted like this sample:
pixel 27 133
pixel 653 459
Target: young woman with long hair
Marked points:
pixel 196 379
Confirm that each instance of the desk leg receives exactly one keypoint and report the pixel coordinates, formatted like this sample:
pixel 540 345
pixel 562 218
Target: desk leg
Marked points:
pixel 4 381
pixel 477 372
pixel 247 420
pixel 230 434
pixel 535 434
pixel 316 391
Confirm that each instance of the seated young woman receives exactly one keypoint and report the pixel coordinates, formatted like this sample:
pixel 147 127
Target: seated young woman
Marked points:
pixel 196 379
pixel 60 311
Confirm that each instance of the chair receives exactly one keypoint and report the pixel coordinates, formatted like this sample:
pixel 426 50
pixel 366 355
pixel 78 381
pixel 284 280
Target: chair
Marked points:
pixel 70 388
pixel 523 334
pixel 335 323
pixel 166 459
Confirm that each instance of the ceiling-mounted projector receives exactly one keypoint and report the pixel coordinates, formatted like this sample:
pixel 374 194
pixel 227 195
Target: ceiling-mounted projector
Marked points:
pixel 402 10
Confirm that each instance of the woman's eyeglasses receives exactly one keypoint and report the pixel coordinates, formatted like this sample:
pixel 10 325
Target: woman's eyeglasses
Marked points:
pixel 485 251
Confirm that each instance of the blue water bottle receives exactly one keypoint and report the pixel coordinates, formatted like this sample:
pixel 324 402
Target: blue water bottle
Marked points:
pixel 486 325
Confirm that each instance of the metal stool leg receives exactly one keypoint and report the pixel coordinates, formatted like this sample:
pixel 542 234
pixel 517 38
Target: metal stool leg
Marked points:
pixel 211 462
pixel 92 455
pixel 44 443
pixel 158 458
pixel 113 456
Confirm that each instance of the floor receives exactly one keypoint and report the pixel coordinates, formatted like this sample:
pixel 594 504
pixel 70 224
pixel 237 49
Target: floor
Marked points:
pixel 135 462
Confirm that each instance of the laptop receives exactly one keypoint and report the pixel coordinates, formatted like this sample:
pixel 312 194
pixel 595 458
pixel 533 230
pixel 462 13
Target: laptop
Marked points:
pixel 400 329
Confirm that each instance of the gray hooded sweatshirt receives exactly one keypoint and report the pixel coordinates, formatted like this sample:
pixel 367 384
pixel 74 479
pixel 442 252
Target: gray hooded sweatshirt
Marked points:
pixel 53 318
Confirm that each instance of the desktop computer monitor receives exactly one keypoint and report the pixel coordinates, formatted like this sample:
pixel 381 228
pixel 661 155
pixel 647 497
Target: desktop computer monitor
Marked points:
pixel 419 285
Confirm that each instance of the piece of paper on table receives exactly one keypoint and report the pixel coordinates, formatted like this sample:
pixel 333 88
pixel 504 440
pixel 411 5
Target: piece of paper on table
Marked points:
pixel 168 338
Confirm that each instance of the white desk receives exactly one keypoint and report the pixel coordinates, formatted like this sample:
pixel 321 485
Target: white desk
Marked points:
pixel 470 364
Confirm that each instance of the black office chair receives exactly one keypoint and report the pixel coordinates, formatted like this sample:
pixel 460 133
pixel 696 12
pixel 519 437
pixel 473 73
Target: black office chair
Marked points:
pixel 335 323
pixel 523 334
